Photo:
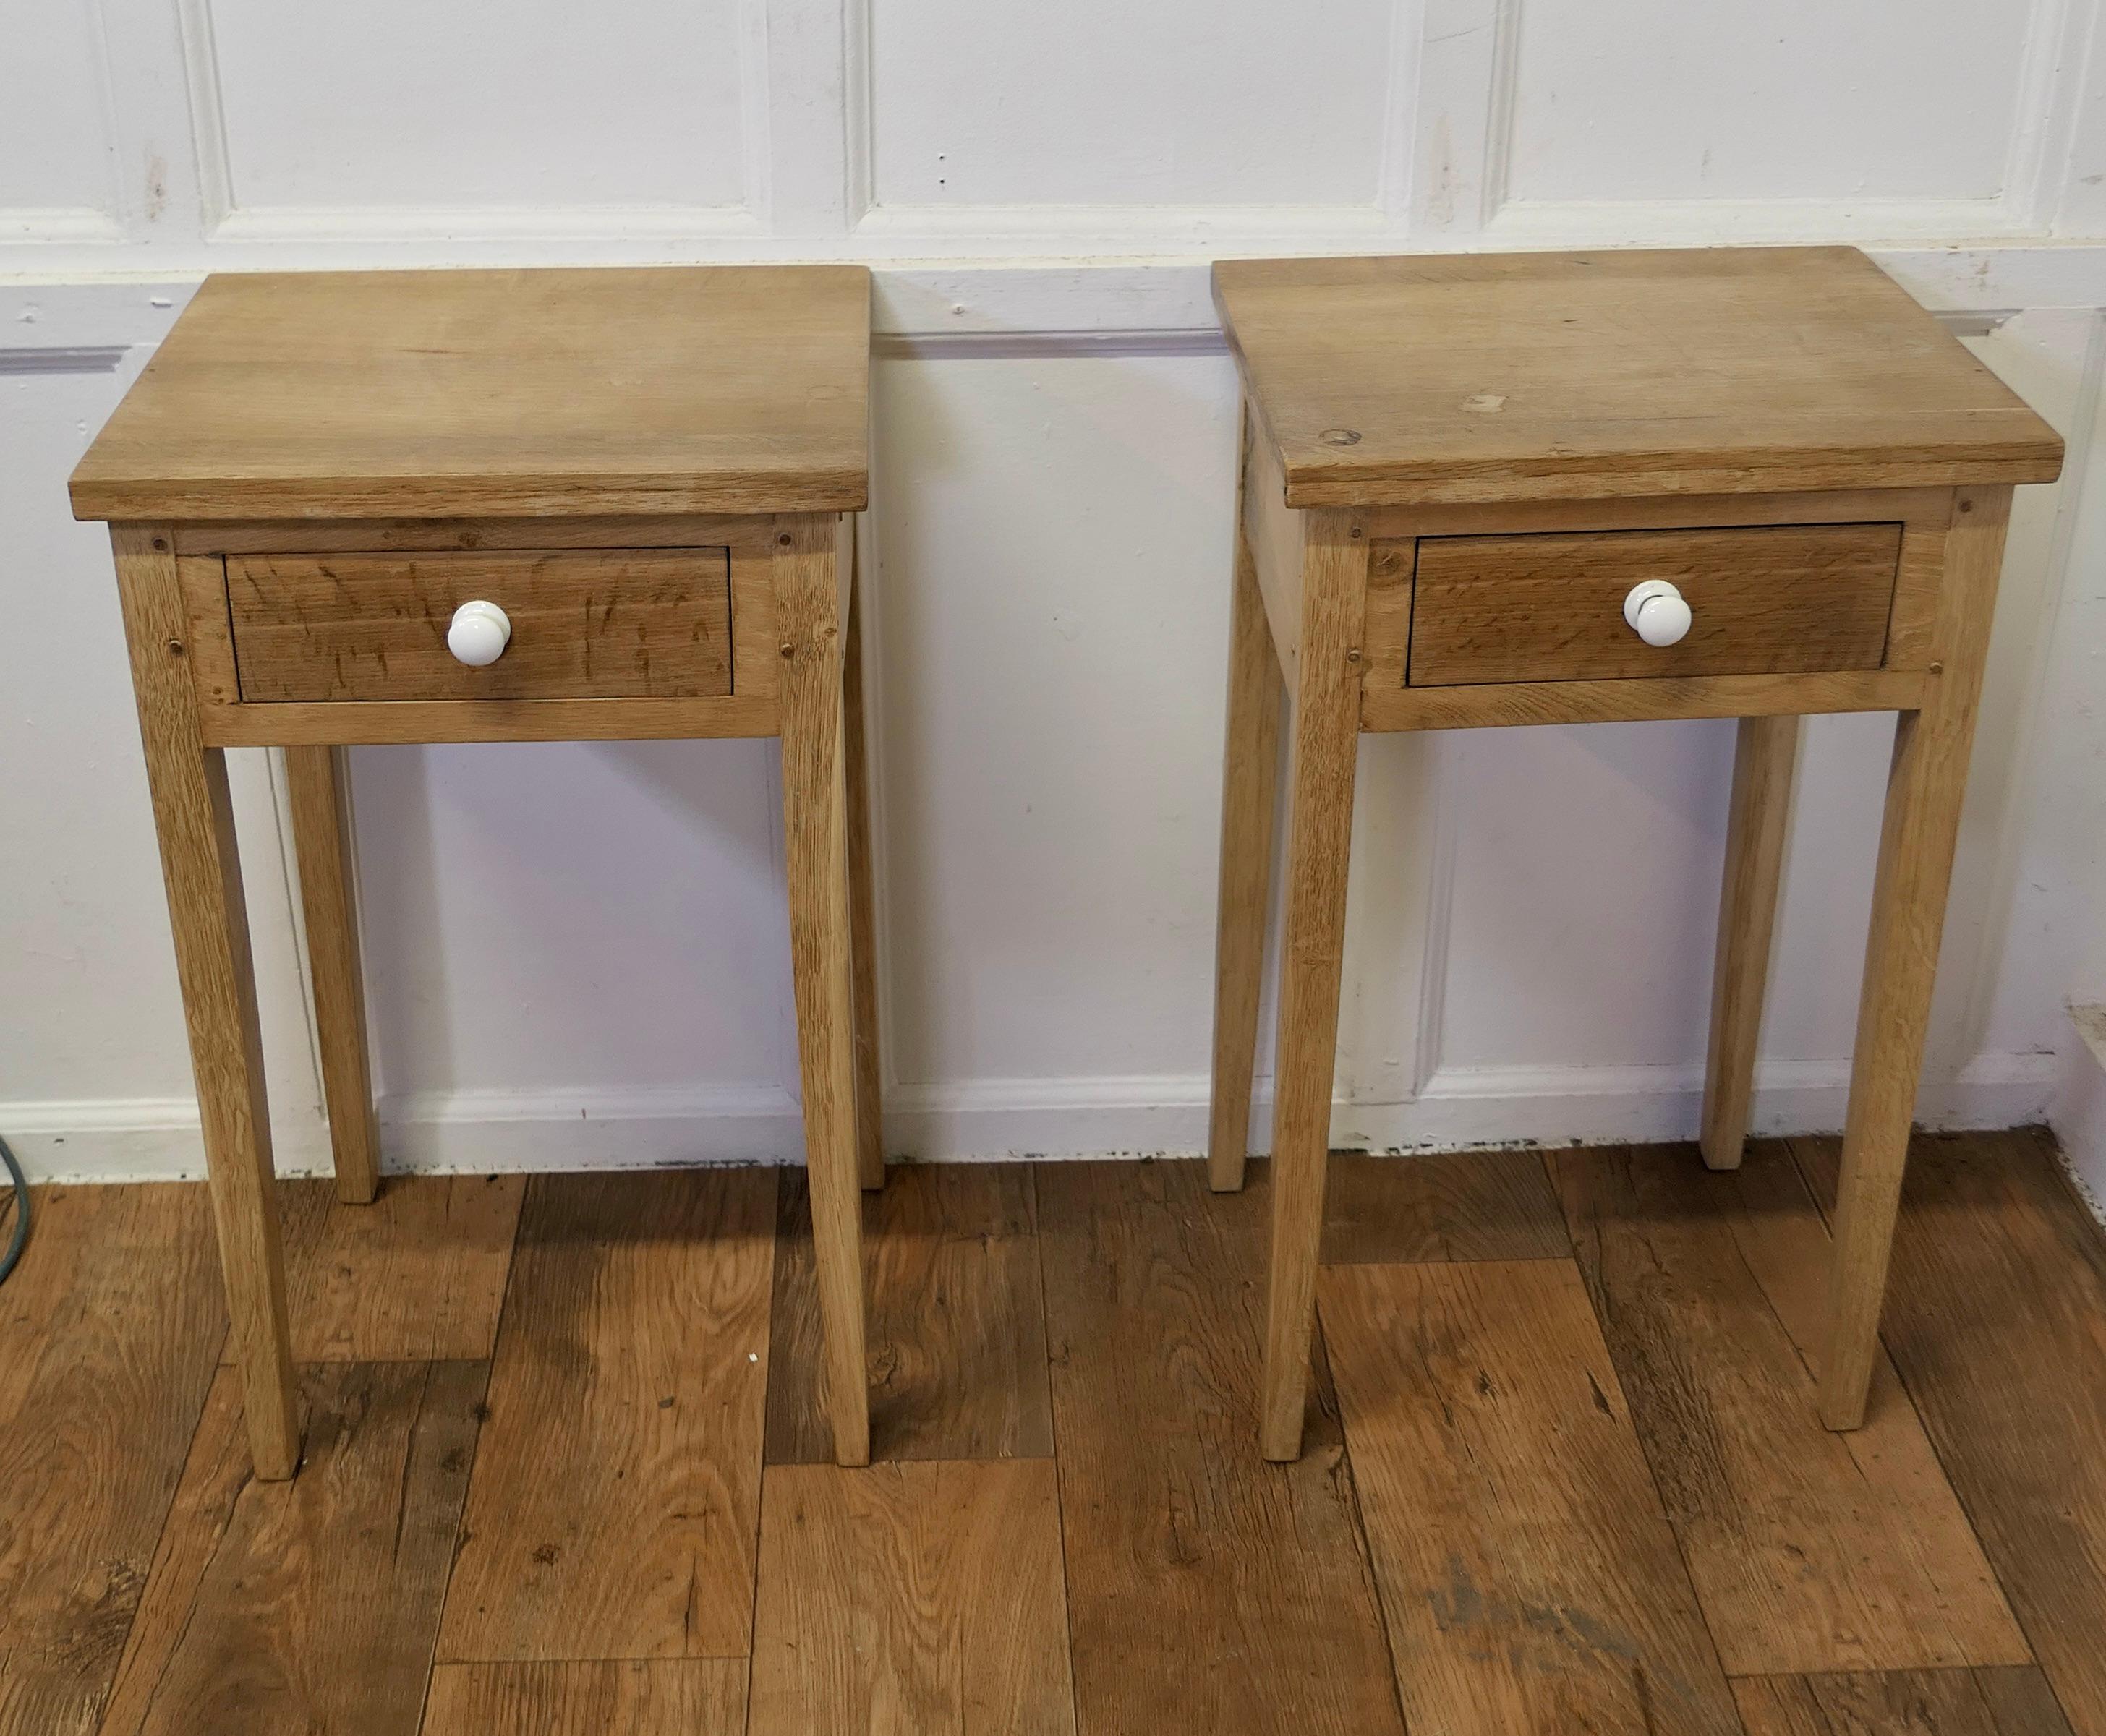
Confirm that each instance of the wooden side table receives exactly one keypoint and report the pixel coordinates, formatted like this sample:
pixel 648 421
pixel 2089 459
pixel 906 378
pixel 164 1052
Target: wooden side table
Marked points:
pixel 494 506
pixel 1569 488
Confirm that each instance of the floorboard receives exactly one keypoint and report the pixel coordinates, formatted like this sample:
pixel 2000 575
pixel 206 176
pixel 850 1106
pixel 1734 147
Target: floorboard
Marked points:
pixel 1529 1578
pixel 1439 1206
pixel 616 1500
pixel 109 1329
pixel 1997 1318
pixel 912 1598
pixel 309 1605
pixel 1208 1591
pixel 957 1327
pixel 1811 1551
pixel 669 1696
pixel 416 1277
pixel 1575 1487
pixel 2006 1702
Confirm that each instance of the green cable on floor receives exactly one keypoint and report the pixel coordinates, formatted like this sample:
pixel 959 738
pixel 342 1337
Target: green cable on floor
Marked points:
pixel 21 1236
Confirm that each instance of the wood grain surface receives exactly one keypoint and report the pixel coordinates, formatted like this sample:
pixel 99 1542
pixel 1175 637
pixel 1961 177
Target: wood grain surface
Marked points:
pixel 1919 509
pixel 1758 815
pixel 351 721
pixel 1529 1578
pixel 1996 1323
pixel 1764 600
pixel 956 1324
pixel 586 623
pixel 863 884
pixel 1469 377
pixel 508 393
pixel 2010 1701
pixel 1503 705
pixel 1324 734
pixel 318 793
pixel 812 581
pixel 1250 771
pixel 667 1697
pixel 737 531
pixel 416 1276
pixel 1276 539
pixel 209 918
pixel 308 1605
pixel 1208 1590
pixel 614 1508
pixel 109 1329
pixel 1441 1205
pixel 900 1599
pixel 1919 833
pixel 1514 1432
pixel 1811 1551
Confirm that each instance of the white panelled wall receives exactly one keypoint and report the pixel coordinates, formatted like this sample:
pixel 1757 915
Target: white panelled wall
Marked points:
pixel 577 955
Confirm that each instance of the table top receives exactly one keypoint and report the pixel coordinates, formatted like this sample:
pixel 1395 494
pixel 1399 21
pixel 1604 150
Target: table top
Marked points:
pixel 497 394
pixel 1483 378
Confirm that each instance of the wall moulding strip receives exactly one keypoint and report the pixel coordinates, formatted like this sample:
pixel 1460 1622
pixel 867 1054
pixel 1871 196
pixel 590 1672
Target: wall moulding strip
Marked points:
pixel 475 226
pixel 57 359
pixel 488 1132
pixel 207 116
pixel 1531 223
pixel 2050 88
pixel 1158 306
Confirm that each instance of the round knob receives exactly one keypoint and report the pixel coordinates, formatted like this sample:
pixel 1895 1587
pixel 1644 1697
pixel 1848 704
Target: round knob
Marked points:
pixel 1657 613
pixel 479 633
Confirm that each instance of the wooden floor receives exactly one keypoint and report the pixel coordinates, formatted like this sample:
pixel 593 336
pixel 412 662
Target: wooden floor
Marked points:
pixel 566 1469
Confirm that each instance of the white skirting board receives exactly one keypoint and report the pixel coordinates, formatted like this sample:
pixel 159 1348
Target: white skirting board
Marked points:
pixel 2078 1115
pixel 156 1139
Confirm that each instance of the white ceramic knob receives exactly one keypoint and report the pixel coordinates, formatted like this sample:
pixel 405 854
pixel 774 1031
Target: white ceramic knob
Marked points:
pixel 478 635
pixel 1657 613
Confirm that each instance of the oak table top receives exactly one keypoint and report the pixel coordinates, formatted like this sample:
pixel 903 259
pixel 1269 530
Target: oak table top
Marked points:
pixel 1457 378
pixel 506 393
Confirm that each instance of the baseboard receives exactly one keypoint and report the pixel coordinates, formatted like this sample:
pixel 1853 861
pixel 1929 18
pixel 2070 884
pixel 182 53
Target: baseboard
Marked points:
pixel 1147 1115
pixel 486 1132
pixel 1090 1115
pixel 2079 1114
pixel 1614 1105
pixel 136 1138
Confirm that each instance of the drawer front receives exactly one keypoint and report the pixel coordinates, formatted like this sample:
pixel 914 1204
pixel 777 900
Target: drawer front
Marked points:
pixel 1769 599
pixel 586 623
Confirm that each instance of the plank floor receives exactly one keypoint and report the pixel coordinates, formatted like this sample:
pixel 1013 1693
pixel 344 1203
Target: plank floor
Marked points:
pixel 566 1471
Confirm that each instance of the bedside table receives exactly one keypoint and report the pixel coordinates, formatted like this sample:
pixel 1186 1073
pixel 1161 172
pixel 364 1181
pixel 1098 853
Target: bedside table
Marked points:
pixel 494 506
pixel 1482 489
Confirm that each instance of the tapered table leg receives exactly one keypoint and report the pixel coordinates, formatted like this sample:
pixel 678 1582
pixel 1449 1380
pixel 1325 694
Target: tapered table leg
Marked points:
pixel 321 841
pixel 1250 767
pixel 1326 741
pixel 862 897
pixel 1762 763
pixel 1916 843
pixel 193 817
pixel 811 614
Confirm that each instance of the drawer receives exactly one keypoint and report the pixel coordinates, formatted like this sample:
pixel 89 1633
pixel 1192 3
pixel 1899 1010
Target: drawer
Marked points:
pixel 1767 599
pixel 586 623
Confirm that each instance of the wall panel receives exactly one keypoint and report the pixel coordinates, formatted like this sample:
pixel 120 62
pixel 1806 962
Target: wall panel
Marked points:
pixel 1097 103
pixel 54 143
pixel 535 104
pixel 1765 100
pixel 574 917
